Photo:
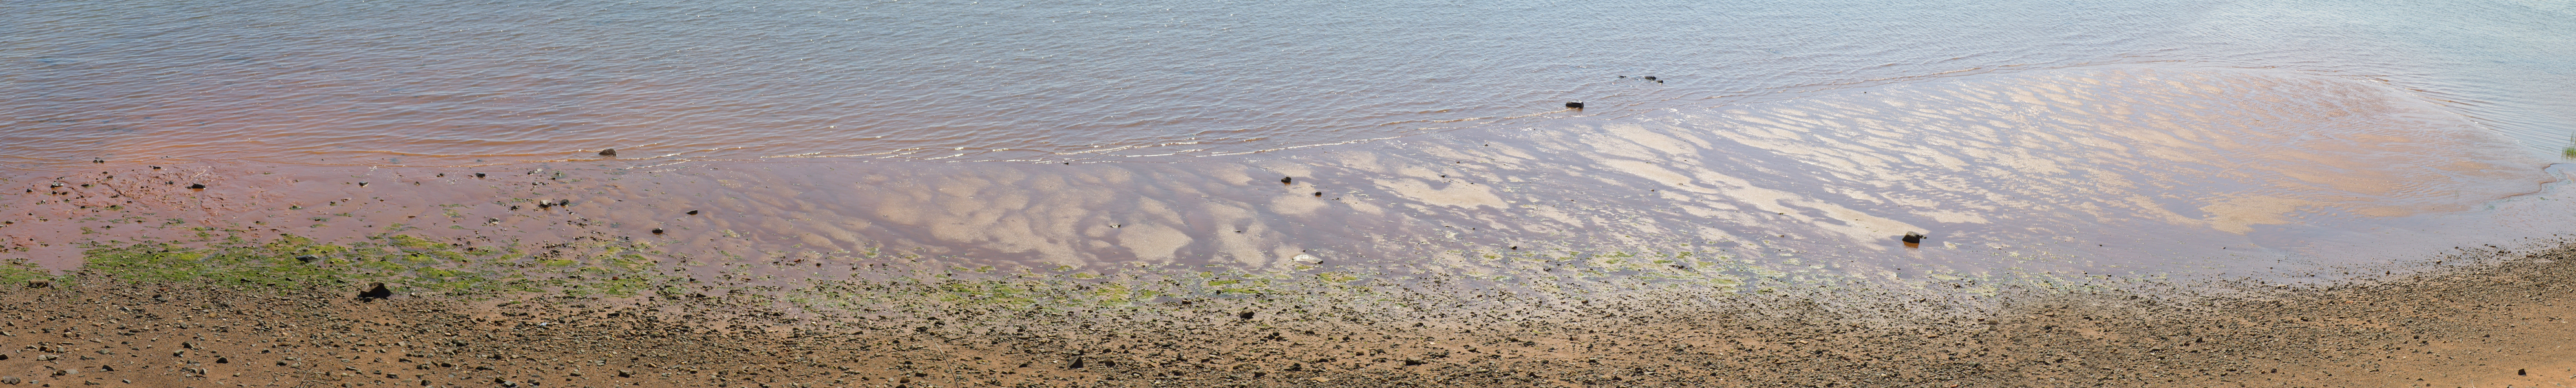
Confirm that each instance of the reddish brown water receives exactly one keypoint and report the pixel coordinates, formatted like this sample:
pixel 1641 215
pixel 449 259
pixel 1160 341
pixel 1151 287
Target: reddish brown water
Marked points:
pixel 1778 139
pixel 2128 170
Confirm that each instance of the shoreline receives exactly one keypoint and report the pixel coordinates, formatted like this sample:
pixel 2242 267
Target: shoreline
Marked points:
pixel 2472 324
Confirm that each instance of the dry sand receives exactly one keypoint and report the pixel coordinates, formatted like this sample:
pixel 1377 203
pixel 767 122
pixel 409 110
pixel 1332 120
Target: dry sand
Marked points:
pixel 2496 323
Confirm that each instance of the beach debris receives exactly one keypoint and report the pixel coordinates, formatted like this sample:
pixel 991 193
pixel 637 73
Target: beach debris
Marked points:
pixel 378 292
pixel 1575 105
pixel 1284 180
pixel 1913 238
pixel 612 152
pixel 40 283
pixel 198 186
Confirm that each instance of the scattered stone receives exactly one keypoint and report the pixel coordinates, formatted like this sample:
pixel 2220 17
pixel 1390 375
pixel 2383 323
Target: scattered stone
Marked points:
pixel 1284 180
pixel 1575 105
pixel 478 175
pixel 1244 315
pixel 612 152
pixel 379 292
pixel 693 212
pixel 625 373
pixel 10 380
pixel 308 258
pixel 47 357
pixel 40 283
pixel 199 186
pixel 362 184
pixel 1650 78
pixel 221 360
pixel 657 230
pixel 1307 259
pixel 1913 238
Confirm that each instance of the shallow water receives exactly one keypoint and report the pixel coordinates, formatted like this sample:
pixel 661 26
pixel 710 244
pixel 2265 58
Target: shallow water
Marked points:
pixel 1784 140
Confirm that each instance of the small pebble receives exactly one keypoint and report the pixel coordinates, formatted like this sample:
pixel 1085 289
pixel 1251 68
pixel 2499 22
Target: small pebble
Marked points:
pixel 197 186
pixel 612 152
pixel 379 292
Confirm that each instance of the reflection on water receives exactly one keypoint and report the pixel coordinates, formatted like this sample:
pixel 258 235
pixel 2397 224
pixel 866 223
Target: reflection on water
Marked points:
pixel 2111 169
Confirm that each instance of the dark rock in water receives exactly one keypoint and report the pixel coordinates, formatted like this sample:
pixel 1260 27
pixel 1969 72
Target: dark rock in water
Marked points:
pixel 379 292
pixel 547 204
pixel 478 175
pixel 362 184
pixel 308 258
pixel 657 230
pixel 1913 238
pixel 1575 105
pixel 1284 180
pixel 98 160
pixel 612 152
pixel 1319 193
pixel 1244 315
pixel 196 186
pixel 693 212
pixel 1516 247
pixel 1650 78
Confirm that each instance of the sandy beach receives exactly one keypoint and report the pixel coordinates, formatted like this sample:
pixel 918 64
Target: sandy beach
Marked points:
pixel 2491 318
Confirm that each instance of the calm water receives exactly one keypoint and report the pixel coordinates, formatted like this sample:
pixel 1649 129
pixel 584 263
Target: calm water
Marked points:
pixel 447 83
pixel 1103 134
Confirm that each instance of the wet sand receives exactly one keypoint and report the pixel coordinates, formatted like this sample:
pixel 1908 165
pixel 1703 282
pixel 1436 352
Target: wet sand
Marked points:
pixel 2494 322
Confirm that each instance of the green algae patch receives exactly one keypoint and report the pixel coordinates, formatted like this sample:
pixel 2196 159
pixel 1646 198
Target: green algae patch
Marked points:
pixel 19 271
pixel 585 267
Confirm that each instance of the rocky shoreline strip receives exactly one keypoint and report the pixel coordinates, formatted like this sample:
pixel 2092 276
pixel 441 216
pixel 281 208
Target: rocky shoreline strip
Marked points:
pixel 2493 323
